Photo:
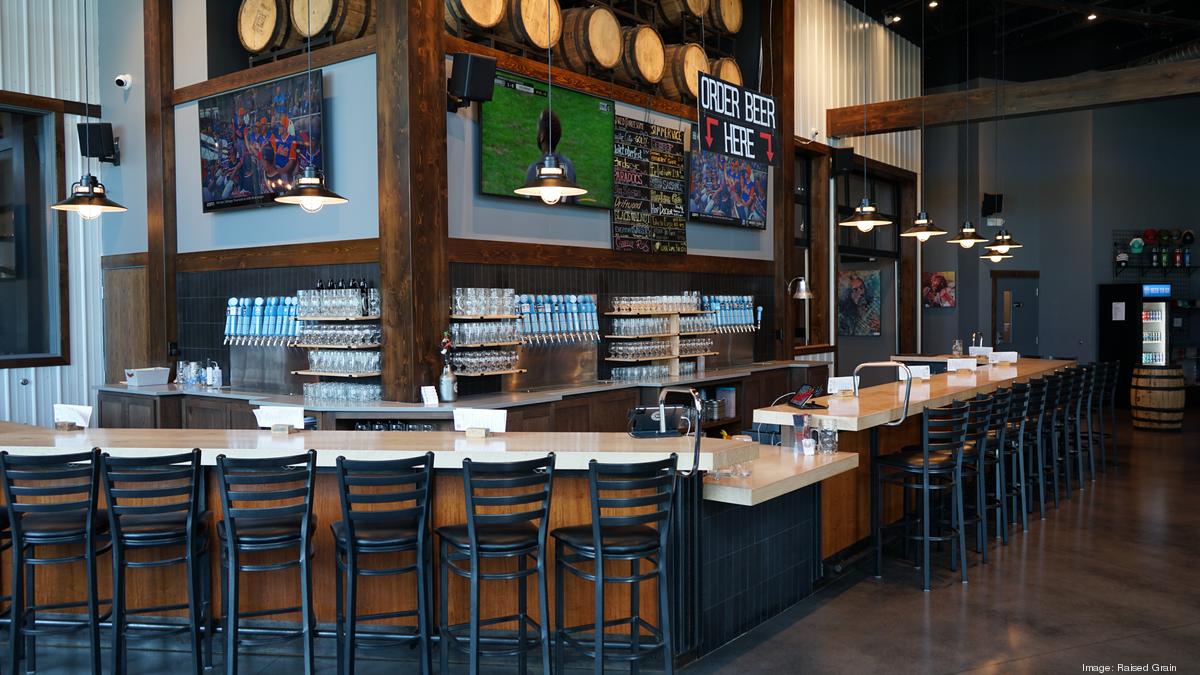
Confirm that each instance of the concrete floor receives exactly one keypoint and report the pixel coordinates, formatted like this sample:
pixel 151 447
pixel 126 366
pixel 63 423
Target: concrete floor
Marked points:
pixel 1112 577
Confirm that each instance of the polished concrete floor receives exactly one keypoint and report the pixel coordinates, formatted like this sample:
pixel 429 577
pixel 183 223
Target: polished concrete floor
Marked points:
pixel 1111 577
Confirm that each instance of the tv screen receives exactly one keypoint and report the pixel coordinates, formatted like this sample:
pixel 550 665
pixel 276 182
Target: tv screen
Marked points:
pixel 726 190
pixel 511 147
pixel 255 142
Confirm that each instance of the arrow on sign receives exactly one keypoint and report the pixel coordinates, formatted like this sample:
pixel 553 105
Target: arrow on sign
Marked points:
pixel 770 152
pixel 709 122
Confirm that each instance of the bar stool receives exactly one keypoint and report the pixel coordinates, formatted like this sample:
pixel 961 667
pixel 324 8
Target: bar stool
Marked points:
pixel 266 505
pixel 1058 396
pixel 52 502
pixel 1110 401
pixel 491 533
pixel 974 469
pixel 631 516
pixel 1072 449
pixel 1011 448
pixel 1104 372
pixel 935 467
pixel 1034 441
pixel 385 510
pixel 993 459
pixel 154 503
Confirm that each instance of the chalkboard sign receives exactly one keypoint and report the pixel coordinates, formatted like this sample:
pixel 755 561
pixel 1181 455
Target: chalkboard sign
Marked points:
pixel 649 188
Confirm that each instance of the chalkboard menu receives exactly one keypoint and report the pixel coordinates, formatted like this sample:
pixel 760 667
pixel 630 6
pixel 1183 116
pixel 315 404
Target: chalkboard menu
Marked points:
pixel 649 188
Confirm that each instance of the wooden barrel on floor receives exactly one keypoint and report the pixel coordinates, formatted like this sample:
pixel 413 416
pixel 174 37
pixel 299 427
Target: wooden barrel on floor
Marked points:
pixel 684 63
pixel 724 16
pixel 726 69
pixel 263 25
pixel 344 19
pixel 591 36
pixel 674 11
pixel 642 58
pixel 477 14
pixel 526 22
pixel 1156 397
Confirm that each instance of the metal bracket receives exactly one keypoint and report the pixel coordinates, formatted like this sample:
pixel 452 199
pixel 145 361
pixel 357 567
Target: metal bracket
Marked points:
pixel 907 385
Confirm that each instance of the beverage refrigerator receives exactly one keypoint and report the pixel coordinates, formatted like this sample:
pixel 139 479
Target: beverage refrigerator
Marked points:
pixel 1134 328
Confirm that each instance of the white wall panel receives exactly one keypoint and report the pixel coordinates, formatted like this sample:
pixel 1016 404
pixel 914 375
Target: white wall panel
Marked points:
pixel 41 52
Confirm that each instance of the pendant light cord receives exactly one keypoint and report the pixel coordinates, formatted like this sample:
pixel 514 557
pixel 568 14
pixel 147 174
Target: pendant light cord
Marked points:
pixel 921 93
pixel 966 180
pixel 87 69
pixel 866 90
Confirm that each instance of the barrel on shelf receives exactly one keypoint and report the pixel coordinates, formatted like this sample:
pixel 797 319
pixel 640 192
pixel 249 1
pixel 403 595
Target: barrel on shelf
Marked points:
pixel 1157 397
pixel 591 36
pixel 725 15
pixel 263 25
pixel 478 14
pixel 684 63
pixel 674 11
pixel 726 69
pixel 526 22
pixel 344 19
pixel 642 58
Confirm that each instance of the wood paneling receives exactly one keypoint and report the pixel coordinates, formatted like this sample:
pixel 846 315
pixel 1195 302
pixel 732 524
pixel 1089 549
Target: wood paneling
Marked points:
pixel 1075 92
pixel 125 320
pixel 779 18
pixel 288 255
pixel 907 320
pixel 57 105
pixel 549 255
pixel 122 260
pixel 413 268
pixel 291 65
pixel 160 181
pixel 572 80
pixel 818 251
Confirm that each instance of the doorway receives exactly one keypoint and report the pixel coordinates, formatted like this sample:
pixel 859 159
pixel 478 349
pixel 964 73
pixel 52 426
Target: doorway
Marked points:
pixel 1015 311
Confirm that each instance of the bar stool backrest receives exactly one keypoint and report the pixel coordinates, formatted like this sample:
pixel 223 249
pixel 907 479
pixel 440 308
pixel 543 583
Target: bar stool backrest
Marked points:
pixel 979 420
pixel 1019 407
pixel 625 495
pixel 944 429
pixel 1001 409
pixel 62 485
pixel 1036 396
pixel 388 492
pixel 151 486
pixel 266 489
pixel 508 493
pixel 1114 377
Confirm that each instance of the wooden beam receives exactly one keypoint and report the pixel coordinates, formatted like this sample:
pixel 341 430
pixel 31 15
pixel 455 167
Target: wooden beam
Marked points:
pixel 122 260
pixel 1076 92
pixel 344 252
pixel 582 257
pixel 779 60
pixel 16 99
pixel 160 182
pixel 413 268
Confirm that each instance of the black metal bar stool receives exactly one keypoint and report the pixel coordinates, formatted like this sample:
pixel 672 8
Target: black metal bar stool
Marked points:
pixel 1058 396
pixel 1072 450
pixel 934 467
pixel 1011 446
pixel 1100 434
pixel 52 502
pixel 503 501
pixel 1110 402
pixel 631 517
pixel 385 510
pixel 266 505
pixel 154 504
pixel 994 458
pixel 974 470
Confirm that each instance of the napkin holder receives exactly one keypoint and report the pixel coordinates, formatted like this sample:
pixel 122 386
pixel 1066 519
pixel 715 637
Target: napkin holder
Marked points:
pixel 478 432
pixel 283 429
pixel 67 426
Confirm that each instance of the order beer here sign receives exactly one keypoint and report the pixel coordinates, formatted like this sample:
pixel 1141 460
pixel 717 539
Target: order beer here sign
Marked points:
pixel 737 122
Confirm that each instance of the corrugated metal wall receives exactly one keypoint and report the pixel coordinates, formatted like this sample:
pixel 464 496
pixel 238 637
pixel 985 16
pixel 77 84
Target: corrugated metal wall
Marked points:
pixel 830 74
pixel 41 52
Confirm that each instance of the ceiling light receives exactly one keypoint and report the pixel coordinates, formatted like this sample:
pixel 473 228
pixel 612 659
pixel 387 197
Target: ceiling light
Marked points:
pixel 802 292
pixel 89 199
pixel 1092 16
pixel 923 228
pixel 310 192
pixel 1003 242
pixel 865 218
pixel 933 4
pixel 550 183
pixel 891 18
pixel 967 236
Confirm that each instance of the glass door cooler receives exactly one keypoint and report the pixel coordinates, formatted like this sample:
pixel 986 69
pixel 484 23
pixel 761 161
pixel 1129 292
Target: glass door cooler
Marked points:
pixel 1155 324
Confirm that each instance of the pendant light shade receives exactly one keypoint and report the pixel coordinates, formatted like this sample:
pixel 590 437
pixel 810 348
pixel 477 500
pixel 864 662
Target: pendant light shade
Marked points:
pixel 550 183
pixel 89 199
pixel 310 192
pixel 865 218
pixel 802 292
pixel 967 236
pixel 923 228
pixel 995 256
pixel 1003 242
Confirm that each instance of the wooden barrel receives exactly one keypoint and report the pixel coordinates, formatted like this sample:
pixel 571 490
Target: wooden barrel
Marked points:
pixel 642 58
pixel 474 13
pixel 345 19
pixel 674 11
pixel 726 69
pixel 263 25
pixel 684 63
pixel 725 15
pixel 526 22
pixel 1156 396
pixel 591 36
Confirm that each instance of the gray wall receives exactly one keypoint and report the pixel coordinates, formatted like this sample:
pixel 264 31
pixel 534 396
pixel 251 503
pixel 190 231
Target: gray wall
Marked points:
pixel 122 51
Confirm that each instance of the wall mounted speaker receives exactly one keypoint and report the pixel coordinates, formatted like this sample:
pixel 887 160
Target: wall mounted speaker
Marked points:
pixel 843 160
pixel 96 140
pixel 472 78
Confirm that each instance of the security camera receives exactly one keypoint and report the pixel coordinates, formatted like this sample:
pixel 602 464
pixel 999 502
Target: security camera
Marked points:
pixel 123 81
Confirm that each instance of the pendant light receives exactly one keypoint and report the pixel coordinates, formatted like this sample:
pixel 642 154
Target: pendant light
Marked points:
pixel 1003 243
pixel 995 256
pixel 866 217
pixel 88 198
pixel 310 192
pixel 922 228
pixel 967 236
pixel 550 182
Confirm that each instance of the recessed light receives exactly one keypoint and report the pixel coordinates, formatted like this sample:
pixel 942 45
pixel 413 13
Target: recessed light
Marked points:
pixel 933 3
pixel 1092 16
pixel 891 18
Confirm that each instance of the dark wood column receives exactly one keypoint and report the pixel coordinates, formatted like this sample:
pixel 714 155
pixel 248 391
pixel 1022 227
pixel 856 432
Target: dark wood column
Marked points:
pixel 413 268
pixel 818 251
pixel 779 81
pixel 908 270
pixel 160 183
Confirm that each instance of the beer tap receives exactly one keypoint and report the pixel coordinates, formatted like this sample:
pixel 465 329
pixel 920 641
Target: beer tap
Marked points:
pixel 256 325
pixel 230 318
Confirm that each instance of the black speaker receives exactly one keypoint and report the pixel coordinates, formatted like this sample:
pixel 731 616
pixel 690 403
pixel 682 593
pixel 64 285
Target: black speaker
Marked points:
pixel 96 140
pixel 992 204
pixel 843 160
pixel 471 79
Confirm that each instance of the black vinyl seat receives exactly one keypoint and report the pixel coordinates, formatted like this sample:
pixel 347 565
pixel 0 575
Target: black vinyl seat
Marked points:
pixel 268 531
pixel 497 538
pixel 617 538
pixel 155 503
pixel 385 510
pixel 51 502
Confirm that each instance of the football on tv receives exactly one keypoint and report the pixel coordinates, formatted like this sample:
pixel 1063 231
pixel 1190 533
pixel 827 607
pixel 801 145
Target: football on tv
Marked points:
pixel 255 142
pixel 726 190
pixel 517 129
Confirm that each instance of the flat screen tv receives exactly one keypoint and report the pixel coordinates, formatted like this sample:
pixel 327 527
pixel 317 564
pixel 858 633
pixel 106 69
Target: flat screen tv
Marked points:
pixel 511 147
pixel 255 142
pixel 726 190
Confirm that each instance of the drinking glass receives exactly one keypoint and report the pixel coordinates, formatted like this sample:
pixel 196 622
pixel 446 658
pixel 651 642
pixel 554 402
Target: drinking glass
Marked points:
pixel 957 349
